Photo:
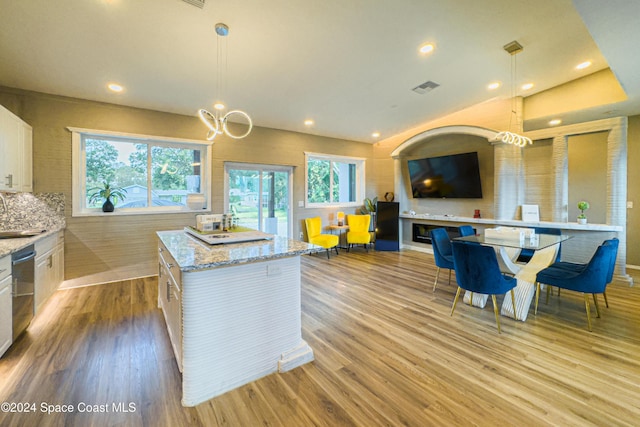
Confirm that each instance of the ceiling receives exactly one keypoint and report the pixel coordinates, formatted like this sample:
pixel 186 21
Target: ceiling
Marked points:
pixel 348 65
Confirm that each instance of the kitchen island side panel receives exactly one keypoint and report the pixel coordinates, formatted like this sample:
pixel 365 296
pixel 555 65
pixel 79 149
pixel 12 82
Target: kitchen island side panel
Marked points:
pixel 239 321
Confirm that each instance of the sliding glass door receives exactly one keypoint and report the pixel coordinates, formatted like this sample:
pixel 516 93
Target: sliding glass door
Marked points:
pixel 260 196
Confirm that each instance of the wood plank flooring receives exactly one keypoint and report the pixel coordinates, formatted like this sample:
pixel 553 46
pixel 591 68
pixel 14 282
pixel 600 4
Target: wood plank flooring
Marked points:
pixel 387 354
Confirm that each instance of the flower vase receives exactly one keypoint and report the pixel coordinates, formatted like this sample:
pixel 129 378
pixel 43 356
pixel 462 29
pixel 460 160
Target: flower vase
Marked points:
pixel 108 206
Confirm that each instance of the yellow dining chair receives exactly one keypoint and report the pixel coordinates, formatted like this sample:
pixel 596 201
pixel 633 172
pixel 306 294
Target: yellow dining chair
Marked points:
pixel 358 233
pixel 315 236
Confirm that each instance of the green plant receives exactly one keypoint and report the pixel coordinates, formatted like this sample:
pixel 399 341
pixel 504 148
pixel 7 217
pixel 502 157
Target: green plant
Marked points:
pixel 107 192
pixel 583 206
pixel 369 205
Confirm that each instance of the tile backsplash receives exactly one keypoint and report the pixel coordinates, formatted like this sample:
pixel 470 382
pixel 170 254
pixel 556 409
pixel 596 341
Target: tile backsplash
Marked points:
pixel 26 211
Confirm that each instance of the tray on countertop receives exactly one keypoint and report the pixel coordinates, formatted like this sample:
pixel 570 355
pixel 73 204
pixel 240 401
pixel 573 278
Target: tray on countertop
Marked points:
pixel 238 235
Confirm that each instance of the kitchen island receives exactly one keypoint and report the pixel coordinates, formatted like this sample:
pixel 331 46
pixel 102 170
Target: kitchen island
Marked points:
pixel 232 311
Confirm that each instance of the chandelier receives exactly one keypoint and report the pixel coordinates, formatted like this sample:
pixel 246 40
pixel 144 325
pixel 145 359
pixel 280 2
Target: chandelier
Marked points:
pixel 508 137
pixel 216 122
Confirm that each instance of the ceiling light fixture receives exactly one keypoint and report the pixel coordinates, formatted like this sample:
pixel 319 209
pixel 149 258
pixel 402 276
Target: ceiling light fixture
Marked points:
pixel 309 122
pixel 508 137
pixel 526 86
pixel 493 85
pixel 217 123
pixel 426 48
pixel 583 65
pixel 115 87
pixel 555 122
pixel 376 134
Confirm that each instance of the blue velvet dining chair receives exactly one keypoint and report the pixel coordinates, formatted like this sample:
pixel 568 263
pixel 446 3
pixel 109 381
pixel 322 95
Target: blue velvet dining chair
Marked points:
pixel 466 230
pixel 441 252
pixel 477 271
pixel 579 267
pixel 591 279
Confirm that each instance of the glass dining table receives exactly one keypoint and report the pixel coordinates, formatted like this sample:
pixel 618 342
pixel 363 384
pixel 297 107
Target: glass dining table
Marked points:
pixel 544 247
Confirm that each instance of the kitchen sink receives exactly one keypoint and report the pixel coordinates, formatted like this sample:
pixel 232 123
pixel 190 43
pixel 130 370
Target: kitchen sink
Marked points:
pixel 16 234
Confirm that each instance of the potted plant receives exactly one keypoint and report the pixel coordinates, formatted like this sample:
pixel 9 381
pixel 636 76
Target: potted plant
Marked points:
pixel 583 206
pixel 370 209
pixel 107 193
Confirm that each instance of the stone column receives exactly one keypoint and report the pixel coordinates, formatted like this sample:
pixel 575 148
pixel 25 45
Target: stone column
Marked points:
pixel 560 179
pixel 509 180
pixel 617 187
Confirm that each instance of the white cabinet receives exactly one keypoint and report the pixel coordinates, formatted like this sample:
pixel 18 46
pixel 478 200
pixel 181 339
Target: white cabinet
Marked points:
pixel 16 155
pixel 27 159
pixel 6 325
pixel 49 268
pixel 170 299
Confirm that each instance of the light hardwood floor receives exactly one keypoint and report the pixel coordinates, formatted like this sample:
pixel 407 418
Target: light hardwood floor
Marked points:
pixel 387 354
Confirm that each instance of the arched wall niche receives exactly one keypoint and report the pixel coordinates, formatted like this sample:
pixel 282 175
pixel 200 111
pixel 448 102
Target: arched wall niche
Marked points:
pixel 443 141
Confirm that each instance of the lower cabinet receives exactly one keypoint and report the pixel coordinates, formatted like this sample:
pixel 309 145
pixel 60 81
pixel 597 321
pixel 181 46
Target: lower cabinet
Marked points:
pixel 49 269
pixel 170 299
pixel 6 325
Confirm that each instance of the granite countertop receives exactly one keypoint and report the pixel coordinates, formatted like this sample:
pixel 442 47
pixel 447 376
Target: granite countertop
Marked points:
pixel 192 254
pixel 9 246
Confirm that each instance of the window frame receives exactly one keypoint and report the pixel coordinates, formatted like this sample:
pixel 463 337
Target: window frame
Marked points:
pixel 360 163
pixel 78 161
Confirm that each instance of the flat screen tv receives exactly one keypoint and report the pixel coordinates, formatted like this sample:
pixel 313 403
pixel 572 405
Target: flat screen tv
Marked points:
pixel 455 176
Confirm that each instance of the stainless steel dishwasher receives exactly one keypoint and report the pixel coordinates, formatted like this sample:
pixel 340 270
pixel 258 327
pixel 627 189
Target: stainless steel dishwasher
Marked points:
pixel 23 269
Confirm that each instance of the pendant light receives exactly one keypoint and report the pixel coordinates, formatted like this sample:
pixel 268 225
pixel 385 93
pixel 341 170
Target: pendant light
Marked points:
pixel 216 122
pixel 508 137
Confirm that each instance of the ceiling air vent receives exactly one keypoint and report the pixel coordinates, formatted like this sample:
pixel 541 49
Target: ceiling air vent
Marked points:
pixel 425 87
pixel 198 3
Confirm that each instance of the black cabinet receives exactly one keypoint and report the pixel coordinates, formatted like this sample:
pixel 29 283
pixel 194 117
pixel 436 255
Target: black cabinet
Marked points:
pixel 387 226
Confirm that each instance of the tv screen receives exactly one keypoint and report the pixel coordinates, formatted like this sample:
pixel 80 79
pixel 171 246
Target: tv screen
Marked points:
pixel 456 176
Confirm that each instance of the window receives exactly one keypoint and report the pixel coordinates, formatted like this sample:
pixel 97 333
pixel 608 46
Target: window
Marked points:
pixel 334 180
pixel 154 174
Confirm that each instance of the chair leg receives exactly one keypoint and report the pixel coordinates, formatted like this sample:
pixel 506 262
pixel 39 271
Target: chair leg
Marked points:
pixel 537 297
pixel 336 248
pixel 449 277
pixel 513 301
pixel 435 282
pixel 495 311
pixel 455 300
pixel 606 302
pixel 328 254
pixel 470 298
pixel 586 305
pixel 595 302
pixel 548 291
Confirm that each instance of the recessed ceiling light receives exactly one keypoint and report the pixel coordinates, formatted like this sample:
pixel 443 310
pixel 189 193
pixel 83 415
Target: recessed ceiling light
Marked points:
pixel 426 48
pixel 309 122
pixel 494 85
pixel 527 86
pixel 376 134
pixel 115 87
pixel 555 122
pixel 218 106
pixel 583 65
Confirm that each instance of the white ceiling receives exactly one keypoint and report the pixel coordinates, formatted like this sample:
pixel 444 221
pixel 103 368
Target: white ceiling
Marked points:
pixel 348 64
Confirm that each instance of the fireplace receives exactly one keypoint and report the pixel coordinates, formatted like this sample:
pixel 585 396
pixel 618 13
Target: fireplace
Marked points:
pixel 421 233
